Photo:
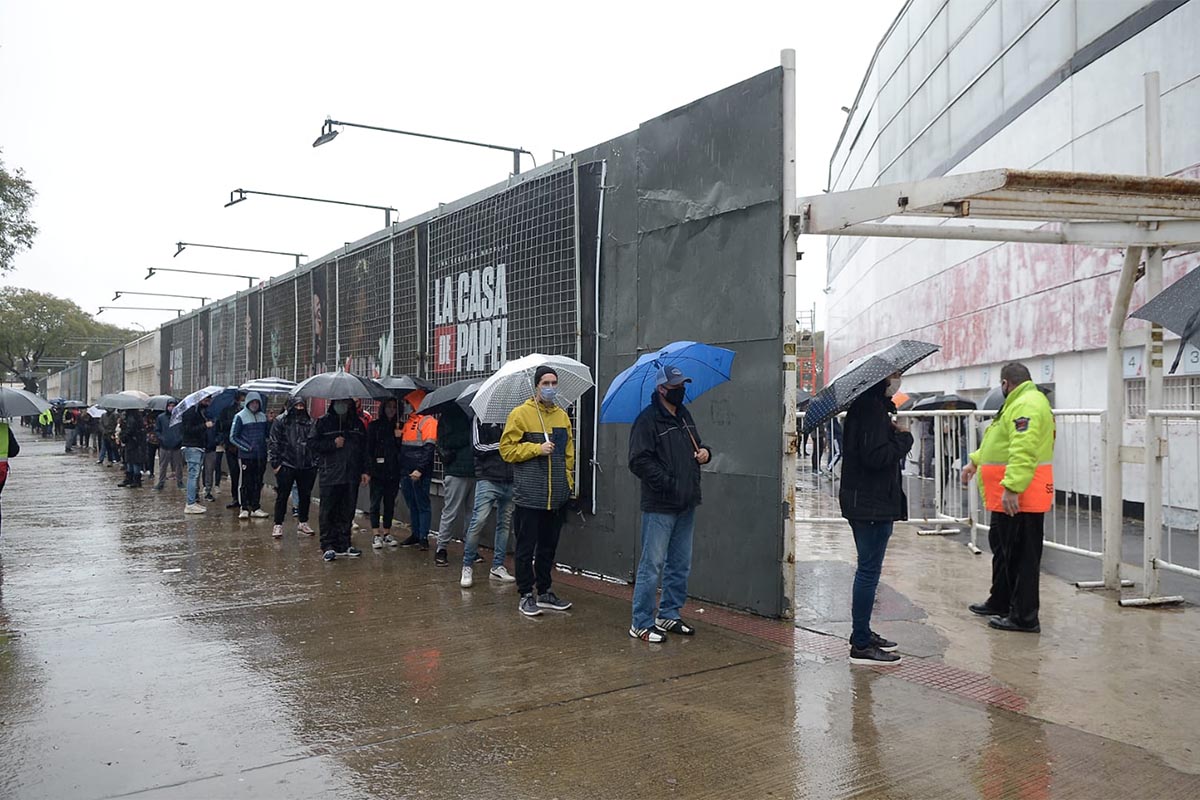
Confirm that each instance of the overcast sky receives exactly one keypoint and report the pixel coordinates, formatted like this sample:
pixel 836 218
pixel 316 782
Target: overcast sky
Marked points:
pixel 135 120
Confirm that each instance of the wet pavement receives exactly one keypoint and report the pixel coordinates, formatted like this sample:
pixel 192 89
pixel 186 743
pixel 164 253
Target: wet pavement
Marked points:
pixel 147 654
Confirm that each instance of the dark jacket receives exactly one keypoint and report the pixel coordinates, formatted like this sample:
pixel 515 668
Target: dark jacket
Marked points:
pixel 108 424
pixel 193 433
pixel 287 446
pixel 225 425
pixel 383 449
pixel 454 443
pixel 133 438
pixel 662 452
pixel 170 437
pixel 489 466
pixel 872 455
pixel 250 429
pixel 342 465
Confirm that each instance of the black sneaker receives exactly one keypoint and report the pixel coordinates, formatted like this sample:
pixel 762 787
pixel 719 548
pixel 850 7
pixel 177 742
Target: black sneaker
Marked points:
pixel 209 496
pixel 886 645
pixel 675 626
pixel 528 606
pixel 329 555
pixel 423 546
pixel 441 558
pixel 234 504
pixel 872 656
pixel 984 610
pixel 552 601
pixel 411 541
pixel 350 552
pixel 478 559
pixel 158 487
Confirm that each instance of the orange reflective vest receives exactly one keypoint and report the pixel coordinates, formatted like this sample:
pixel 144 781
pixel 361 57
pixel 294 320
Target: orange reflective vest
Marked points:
pixel 419 431
pixel 1017 452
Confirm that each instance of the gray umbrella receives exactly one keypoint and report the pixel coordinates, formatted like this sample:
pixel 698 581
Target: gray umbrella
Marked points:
pixel 944 402
pixel 1177 308
pixel 340 385
pixel 401 385
pixel 121 402
pixel 860 375
pixel 20 403
pixel 443 396
pixel 159 402
pixel 994 401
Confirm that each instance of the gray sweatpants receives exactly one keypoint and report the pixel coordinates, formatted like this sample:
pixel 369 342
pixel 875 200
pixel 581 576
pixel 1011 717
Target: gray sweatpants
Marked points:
pixel 455 507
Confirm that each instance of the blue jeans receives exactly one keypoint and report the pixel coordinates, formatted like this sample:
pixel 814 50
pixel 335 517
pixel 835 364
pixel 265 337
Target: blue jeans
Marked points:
pixel 870 539
pixel 194 456
pixel 666 557
pixel 489 495
pixel 416 495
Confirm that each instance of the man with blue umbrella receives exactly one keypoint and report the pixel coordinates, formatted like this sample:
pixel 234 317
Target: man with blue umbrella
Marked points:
pixel 666 452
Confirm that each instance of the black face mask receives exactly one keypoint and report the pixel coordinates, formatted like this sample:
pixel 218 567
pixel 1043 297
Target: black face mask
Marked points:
pixel 675 395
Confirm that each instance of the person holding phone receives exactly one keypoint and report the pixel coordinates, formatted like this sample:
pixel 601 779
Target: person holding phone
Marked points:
pixel 538 442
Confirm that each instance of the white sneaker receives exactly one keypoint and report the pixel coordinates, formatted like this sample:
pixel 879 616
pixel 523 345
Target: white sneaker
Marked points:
pixel 468 578
pixel 194 508
pixel 258 513
pixel 277 532
pixel 501 574
pixel 377 542
pixel 390 540
pixel 305 529
pixel 244 515
pixel 354 526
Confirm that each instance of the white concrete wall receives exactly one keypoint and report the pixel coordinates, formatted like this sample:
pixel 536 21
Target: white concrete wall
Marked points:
pixel 141 364
pixel 95 375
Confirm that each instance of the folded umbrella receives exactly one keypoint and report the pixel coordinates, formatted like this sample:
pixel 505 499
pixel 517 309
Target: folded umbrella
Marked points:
pixel 269 386
pixel 443 396
pixel 705 365
pixel 340 385
pixel 20 403
pixel 1177 308
pixel 512 385
pixel 860 375
pixel 119 401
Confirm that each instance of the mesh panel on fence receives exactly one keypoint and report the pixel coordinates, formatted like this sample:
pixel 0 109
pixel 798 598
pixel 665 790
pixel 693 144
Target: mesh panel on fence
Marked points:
pixel 241 339
pixel 304 327
pixel 113 375
pixel 364 309
pixel 407 321
pixel 221 358
pixel 279 330
pixel 503 279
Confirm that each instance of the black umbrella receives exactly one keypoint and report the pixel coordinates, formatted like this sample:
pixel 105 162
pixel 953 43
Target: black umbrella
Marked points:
pixel 1177 308
pixel 121 402
pixel 860 375
pixel 803 398
pixel 159 402
pixel 74 404
pixel 341 385
pixel 20 403
pixel 437 400
pixel 401 385
pixel 994 401
pixel 944 402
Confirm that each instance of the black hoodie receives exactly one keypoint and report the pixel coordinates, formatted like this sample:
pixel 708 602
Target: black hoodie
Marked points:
pixel 872 455
pixel 339 465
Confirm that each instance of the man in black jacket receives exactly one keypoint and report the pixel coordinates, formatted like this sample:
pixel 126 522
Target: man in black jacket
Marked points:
pixel 665 451
pixel 493 489
pixel 196 426
pixel 224 426
pixel 383 450
pixel 339 442
pixel 292 462
pixel 872 499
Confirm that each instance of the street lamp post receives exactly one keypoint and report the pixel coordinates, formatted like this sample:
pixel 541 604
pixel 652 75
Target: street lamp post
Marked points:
pixel 328 134
pixel 150 272
pixel 180 246
pixel 241 195
pixel 178 311
pixel 118 292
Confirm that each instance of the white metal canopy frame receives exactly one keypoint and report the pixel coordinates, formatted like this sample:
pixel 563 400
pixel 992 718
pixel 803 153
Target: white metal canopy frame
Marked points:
pixel 1139 214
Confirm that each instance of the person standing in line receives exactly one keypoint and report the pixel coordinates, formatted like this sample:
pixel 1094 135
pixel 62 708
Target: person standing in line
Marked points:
pixel 133 448
pixel 417 447
pixel 108 438
pixel 493 490
pixel 195 436
pixel 666 453
pixel 339 442
pixel 249 434
pixel 46 421
pixel 292 462
pixel 1015 463
pixel 539 443
pixel 383 461
pixel 170 440
pixel 149 420
pixel 9 448
pixel 71 426
pixel 873 500
pixel 224 425
pixel 458 480
pixel 56 417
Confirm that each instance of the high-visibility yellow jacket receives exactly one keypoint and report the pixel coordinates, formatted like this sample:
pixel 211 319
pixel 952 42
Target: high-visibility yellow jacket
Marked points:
pixel 1017 452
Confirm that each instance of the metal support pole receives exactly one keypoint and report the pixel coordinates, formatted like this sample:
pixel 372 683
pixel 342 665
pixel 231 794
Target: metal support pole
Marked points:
pixel 1114 423
pixel 296 329
pixel 788 266
pixel 337 312
pixel 973 509
pixel 516 162
pixel 387 368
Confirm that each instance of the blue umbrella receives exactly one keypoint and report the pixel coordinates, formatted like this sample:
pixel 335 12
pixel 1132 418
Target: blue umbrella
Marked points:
pixel 705 364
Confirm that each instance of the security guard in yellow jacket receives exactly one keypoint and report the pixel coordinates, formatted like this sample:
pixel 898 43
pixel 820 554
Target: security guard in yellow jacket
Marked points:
pixel 1015 463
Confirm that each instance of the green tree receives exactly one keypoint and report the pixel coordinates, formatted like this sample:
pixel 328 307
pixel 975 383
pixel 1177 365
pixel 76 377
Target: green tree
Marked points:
pixel 16 228
pixel 35 326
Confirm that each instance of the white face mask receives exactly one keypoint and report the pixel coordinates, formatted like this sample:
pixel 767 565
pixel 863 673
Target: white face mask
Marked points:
pixel 893 386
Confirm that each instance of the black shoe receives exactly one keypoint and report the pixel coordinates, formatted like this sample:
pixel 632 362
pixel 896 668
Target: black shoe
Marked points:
pixel 552 601
pixel 984 610
pixel 411 541
pixel 441 558
pixel 234 504
pixel 295 512
pixel 423 547
pixel 478 559
pixel 208 496
pixel 872 656
pixel 329 555
pixel 886 645
pixel 123 483
pixel 528 606
pixel 675 626
pixel 350 552
pixel 1006 624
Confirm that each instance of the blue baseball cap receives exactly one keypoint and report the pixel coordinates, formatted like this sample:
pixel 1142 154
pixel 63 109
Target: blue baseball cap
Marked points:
pixel 671 376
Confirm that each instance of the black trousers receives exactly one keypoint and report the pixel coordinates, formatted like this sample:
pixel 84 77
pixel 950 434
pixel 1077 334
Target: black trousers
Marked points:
pixel 537 541
pixel 251 483
pixel 231 463
pixel 303 480
pixel 1016 544
pixel 383 493
pixel 337 515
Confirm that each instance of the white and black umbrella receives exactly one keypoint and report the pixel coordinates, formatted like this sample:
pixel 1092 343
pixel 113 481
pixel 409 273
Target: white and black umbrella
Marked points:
pixel 1177 308
pixel 95 412
pixel 20 403
pixel 860 375
pixel 340 385
pixel 269 386
pixel 119 401
pixel 192 399
pixel 512 385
